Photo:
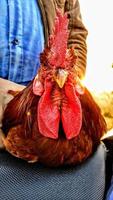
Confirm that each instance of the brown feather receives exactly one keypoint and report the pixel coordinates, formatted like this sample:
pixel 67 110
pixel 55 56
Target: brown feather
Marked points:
pixel 25 141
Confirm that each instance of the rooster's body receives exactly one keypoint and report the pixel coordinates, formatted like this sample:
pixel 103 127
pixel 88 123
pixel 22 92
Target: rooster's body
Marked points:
pixel 54 120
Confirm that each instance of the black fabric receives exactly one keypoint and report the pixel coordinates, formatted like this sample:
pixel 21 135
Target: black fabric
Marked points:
pixel 22 181
pixel 109 168
pixel 109 163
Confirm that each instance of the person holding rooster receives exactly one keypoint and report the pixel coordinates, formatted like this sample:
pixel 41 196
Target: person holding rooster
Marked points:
pixel 25 29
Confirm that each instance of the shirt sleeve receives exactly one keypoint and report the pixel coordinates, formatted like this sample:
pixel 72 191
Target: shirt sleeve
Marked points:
pixel 77 34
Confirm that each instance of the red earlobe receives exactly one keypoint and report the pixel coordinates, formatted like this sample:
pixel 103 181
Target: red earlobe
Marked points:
pixel 37 87
pixel 79 89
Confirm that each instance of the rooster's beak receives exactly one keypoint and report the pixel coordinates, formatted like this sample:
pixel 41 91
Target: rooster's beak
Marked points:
pixel 61 77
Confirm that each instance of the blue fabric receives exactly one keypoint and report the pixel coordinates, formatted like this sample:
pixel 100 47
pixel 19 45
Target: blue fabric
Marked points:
pixel 110 192
pixel 22 181
pixel 21 39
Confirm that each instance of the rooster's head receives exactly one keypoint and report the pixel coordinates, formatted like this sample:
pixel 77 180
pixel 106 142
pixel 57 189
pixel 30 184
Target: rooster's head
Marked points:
pixel 58 85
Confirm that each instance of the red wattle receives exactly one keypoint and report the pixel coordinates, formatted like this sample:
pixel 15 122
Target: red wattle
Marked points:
pixel 71 113
pixel 48 114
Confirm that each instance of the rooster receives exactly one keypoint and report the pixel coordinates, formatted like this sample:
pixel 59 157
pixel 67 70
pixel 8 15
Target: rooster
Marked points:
pixel 54 120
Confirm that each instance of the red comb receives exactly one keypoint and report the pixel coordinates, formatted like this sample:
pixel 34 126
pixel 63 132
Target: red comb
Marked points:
pixel 58 41
pixel 56 53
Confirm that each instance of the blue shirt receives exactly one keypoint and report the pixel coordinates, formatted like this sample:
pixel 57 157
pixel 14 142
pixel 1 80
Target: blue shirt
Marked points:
pixel 21 39
pixel 110 191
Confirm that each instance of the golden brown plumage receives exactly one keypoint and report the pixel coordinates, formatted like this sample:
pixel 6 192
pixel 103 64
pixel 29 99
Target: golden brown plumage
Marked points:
pixel 52 120
pixel 25 141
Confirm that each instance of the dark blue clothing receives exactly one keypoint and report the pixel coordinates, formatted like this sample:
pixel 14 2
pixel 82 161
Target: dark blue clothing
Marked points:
pixel 21 39
pixel 110 191
pixel 22 181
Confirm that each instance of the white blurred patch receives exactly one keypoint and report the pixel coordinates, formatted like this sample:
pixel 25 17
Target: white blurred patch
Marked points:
pixel 97 16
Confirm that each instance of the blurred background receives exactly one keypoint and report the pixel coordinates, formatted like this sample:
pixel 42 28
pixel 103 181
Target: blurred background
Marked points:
pixel 97 16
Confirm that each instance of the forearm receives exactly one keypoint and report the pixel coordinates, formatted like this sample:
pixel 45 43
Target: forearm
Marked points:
pixel 6 85
pixel 77 35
